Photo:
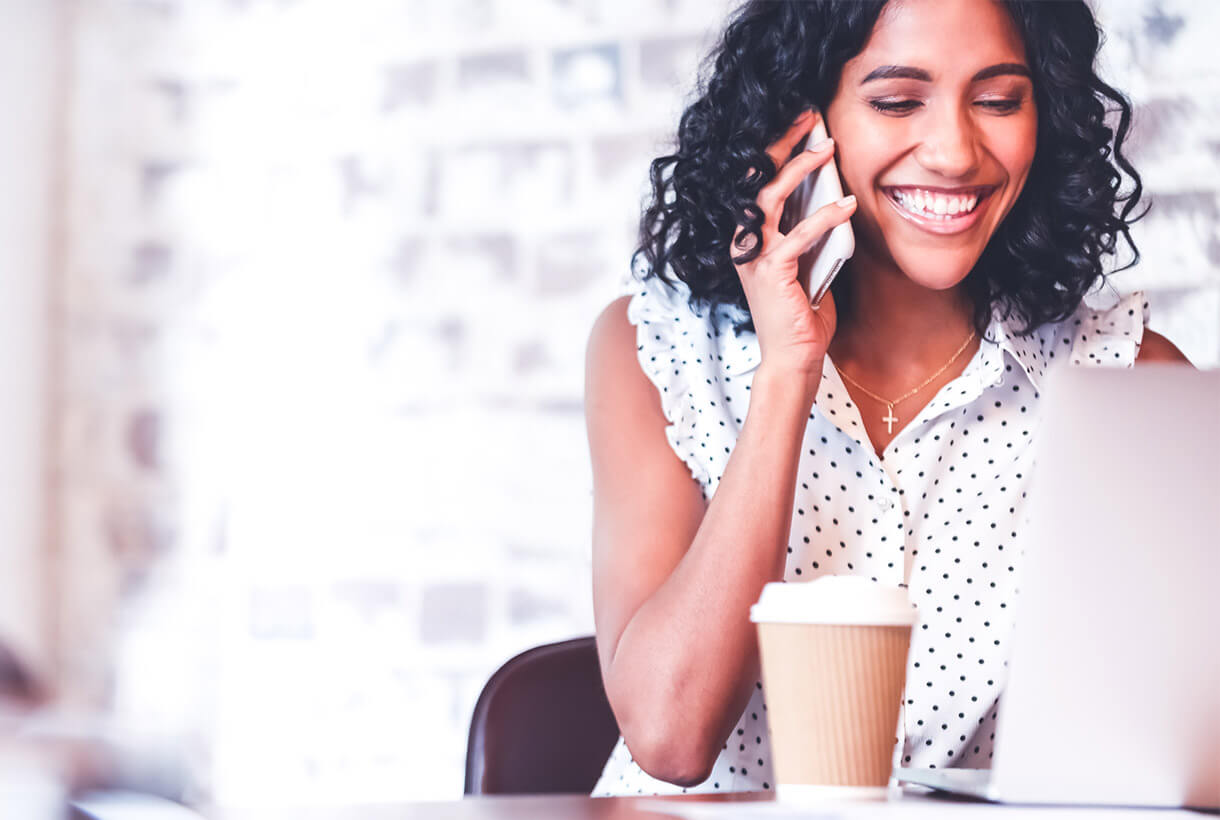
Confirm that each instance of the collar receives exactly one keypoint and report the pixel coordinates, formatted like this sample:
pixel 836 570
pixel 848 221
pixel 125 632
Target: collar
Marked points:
pixel 1032 352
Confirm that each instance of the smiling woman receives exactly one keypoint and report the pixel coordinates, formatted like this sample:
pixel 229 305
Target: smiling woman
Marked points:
pixel 740 436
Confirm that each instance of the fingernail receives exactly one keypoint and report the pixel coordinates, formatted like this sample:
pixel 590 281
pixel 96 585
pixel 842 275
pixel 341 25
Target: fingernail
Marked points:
pixel 847 201
pixel 824 144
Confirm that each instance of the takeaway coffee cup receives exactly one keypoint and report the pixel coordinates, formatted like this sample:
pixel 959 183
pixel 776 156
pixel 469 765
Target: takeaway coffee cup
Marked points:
pixel 834 654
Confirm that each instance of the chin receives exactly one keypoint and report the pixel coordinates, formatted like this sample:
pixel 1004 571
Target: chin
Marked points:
pixel 936 271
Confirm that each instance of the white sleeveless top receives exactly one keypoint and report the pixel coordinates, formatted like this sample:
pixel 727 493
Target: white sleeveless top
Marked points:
pixel 940 513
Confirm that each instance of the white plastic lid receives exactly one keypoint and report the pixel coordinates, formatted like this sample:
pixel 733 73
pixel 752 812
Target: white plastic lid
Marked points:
pixel 834 599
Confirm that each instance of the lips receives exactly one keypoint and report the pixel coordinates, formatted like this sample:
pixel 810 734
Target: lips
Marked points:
pixel 946 223
pixel 979 190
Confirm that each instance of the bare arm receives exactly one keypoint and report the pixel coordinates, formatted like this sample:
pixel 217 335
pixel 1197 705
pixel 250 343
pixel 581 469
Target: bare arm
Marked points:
pixel 1156 348
pixel 673 575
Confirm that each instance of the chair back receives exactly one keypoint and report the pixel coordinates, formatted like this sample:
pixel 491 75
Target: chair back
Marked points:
pixel 542 724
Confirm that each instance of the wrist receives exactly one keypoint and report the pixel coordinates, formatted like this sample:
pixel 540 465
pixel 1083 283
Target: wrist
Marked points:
pixel 791 383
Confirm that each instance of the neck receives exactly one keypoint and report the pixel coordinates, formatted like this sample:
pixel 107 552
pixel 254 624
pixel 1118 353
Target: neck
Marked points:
pixel 899 332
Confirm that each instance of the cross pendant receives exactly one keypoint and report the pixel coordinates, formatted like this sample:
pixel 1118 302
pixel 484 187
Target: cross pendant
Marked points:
pixel 889 420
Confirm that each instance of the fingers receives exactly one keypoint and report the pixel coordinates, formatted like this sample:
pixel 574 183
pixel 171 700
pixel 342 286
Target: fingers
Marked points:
pixel 811 229
pixel 781 149
pixel 776 192
pixel 772 197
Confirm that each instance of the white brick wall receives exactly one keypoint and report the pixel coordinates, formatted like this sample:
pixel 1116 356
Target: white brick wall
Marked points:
pixel 331 272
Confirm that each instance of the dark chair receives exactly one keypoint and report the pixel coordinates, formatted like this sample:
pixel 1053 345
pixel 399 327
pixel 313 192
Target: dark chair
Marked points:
pixel 18 686
pixel 542 724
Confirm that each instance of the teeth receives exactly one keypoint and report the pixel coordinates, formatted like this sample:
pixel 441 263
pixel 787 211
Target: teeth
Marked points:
pixel 935 205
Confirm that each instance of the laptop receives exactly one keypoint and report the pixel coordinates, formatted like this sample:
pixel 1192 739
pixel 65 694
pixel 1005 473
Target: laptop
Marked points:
pixel 1113 695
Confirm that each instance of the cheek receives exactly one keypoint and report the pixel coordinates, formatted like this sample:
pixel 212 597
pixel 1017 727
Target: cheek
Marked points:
pixel 1014 148
pixel 862 160
pixel 860 146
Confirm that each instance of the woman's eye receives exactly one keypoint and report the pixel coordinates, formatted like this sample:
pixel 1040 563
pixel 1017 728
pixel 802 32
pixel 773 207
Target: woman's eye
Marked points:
pixel 1007 106
pixel 905 106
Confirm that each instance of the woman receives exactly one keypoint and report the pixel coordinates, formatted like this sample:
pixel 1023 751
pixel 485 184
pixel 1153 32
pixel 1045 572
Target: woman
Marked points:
pixel 739 436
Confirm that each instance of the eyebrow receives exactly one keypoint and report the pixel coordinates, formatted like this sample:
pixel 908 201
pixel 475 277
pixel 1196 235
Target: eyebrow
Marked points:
pixel 906 72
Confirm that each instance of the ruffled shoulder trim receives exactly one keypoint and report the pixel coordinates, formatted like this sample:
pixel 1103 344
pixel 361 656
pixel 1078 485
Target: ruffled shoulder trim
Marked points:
pixel 675 345
pixel 1109 337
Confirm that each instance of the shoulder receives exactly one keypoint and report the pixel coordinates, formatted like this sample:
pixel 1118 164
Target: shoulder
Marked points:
pixel 1109 336
pixel 610 357
pixel 1156 348
pixel 612 332
pixel 613 376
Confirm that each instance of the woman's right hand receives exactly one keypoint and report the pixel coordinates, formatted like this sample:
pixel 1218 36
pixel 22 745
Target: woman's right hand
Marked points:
pixel 793 337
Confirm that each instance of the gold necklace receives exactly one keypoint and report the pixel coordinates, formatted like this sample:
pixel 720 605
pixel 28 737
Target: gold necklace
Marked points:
pixel 889 418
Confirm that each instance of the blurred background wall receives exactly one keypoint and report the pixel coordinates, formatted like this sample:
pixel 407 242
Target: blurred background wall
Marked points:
pixel 315 350
pixel 31 74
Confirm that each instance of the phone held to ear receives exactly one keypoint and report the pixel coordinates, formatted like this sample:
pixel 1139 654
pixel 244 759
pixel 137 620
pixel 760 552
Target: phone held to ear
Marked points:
pixel 820 188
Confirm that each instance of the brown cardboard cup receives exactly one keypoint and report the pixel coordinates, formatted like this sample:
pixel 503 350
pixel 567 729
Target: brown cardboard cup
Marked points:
pixel 834 654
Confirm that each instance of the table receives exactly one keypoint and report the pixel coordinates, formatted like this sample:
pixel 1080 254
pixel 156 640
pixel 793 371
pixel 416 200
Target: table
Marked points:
pixel 909 803
pixel 522 807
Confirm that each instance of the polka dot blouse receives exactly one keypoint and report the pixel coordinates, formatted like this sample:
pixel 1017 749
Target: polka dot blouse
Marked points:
pixel 939 513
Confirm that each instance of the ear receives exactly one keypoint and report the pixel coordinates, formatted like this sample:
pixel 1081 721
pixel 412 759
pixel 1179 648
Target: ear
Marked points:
pixel 1156 348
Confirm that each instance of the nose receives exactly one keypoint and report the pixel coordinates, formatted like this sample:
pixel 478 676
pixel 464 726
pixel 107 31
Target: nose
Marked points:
pixel 950 143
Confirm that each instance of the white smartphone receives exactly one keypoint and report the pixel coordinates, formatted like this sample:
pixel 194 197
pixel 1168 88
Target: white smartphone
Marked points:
pixel 821 263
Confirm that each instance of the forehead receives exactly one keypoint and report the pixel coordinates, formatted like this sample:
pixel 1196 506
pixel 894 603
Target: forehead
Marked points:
pixel 941 35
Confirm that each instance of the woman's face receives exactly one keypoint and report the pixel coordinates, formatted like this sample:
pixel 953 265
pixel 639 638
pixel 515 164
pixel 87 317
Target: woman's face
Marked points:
pixel 935 114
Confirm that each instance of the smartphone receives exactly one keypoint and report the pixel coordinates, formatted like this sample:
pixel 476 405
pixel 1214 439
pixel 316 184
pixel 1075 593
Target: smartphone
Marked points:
pixel 819 266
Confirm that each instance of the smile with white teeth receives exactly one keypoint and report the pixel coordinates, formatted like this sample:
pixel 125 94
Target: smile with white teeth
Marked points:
pixel 935 207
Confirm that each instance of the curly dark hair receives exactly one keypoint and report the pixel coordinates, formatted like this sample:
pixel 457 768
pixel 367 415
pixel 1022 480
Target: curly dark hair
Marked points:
pixel 776 58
